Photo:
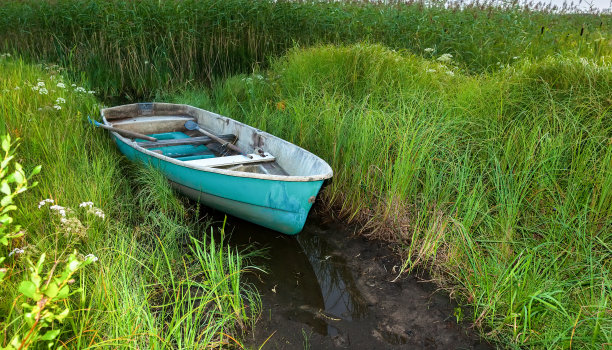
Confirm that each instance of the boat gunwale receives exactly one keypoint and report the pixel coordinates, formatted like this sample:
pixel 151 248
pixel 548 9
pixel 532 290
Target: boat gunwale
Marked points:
pixel 288 178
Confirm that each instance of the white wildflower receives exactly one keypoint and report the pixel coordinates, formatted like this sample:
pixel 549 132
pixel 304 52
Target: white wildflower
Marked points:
pixel 57 107
pixel 450 73
pixel 99 213
pixel 16 251
pixel 41 84
pixel 515 58
pixel 445 57
pixel 44 201
pixel 73 85
pixel 43 91
pixel 79 89
pixel 60 100
pixel 40 108
pixel 146 62
pixel 91 257
pixel 35 88
pixel 60 210
pixel 61 85
pixel 429 50
pixel 91 92
pixel 93 210
pixel 431 71
pixel 17 88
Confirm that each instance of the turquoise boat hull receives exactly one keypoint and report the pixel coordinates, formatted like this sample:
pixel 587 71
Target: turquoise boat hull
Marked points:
pixel 279 205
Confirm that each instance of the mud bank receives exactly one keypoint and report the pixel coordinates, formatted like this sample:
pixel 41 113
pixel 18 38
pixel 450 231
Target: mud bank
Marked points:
pixel 327 289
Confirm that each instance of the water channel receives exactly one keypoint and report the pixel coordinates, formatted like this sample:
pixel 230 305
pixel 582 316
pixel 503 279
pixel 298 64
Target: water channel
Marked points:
pixel 326 289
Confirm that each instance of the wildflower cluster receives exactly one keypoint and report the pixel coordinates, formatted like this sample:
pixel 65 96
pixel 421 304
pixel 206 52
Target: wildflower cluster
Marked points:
pixel 44 202
pixel 40 87
pixel 443 67
pixel 447 57
pixel 92 210
pixel 59 209
pixel 55 87
pixel 71 224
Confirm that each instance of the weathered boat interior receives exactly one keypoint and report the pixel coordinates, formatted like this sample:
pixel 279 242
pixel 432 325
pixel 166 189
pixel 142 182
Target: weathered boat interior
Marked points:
pixel 266 154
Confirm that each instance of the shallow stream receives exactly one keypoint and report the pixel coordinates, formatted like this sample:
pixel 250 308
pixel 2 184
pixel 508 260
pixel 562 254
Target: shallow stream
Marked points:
pixel 326 289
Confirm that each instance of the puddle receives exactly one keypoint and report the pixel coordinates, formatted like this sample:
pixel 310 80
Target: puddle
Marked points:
pixel 326 289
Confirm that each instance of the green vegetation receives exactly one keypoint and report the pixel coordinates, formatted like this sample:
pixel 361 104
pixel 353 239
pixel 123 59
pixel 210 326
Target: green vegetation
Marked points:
pixel 500 183
pixel 479 139
pixel 149 284
pixel 143 48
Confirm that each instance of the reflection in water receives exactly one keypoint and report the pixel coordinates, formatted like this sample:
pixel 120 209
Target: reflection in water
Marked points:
pixel 336 283
pixel 309 279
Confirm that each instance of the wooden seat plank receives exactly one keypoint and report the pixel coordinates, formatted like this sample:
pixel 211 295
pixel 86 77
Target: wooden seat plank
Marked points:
pixel 230 160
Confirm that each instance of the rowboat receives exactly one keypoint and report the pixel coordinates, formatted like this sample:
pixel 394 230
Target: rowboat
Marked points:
pixel 220 162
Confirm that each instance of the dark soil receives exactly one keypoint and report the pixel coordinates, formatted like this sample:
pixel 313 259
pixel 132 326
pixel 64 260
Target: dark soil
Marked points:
pixel 327 289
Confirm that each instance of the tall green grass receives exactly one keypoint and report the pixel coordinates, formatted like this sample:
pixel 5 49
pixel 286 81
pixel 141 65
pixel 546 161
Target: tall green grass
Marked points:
pixel 159 282
pixel 142 48
pixel 499 184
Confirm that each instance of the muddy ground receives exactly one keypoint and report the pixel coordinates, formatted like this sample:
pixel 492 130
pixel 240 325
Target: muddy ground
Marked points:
pixel 327 289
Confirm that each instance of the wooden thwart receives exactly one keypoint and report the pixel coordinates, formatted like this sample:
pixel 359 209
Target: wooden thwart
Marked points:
pixel 190 141
pixel 230 160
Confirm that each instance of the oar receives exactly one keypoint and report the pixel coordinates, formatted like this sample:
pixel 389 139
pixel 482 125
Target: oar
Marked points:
pixel 190 125
pixel 126 133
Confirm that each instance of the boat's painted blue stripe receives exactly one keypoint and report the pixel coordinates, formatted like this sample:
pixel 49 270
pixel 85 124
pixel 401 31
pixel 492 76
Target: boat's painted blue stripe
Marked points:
pixel 260 200
pixel 287 222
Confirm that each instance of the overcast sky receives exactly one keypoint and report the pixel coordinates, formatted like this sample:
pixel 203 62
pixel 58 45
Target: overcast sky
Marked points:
pixel 597 4
pixel 584 5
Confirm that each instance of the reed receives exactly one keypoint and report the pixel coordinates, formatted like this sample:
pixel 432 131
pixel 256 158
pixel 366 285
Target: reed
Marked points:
pixel 140 49
pixel 151 285
pixel 498 184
